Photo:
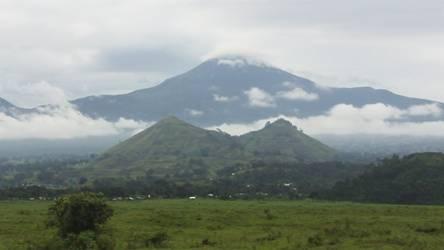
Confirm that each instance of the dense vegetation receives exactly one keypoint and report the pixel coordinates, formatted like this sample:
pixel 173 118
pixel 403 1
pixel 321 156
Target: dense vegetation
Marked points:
pixel 281 141
pixel 49 171
pixel 413 179
pixel 417 178
pixel 176 159
pixel 213 224
pixel 256 180
pixel 253 180
pixel 170 143
pixel 80 223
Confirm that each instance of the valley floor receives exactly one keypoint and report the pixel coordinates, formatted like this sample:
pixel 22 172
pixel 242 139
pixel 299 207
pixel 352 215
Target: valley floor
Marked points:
pixel 214 224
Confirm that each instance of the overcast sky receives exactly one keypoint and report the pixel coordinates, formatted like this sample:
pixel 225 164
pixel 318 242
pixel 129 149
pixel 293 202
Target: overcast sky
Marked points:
pixel 51 50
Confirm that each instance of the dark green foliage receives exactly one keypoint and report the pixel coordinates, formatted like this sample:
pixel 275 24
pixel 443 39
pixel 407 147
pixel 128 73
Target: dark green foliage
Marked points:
pixel 54 172
pixel 255 180
pixel 413 179
pixel 31 192
pixel 249 180
pixel 80 223
pixel 77 213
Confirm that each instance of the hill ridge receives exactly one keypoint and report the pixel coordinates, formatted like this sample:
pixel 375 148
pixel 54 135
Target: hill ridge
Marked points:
pixel 171 143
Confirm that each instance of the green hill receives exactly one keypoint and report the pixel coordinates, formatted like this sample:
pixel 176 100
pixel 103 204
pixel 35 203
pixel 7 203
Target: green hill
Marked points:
pixel 173 147
pixel 169 145
pixel 413 179
pixel 281 141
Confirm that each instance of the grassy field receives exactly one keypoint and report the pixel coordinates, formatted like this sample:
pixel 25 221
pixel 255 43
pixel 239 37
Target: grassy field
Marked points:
pixel 213 224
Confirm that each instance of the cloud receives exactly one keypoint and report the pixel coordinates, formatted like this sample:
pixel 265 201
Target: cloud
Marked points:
pixel 62 122
pixel 259 98
pixel 140 59
pixel 425 110
pixel 221 98
pixel 79 46
pixel 195 112
pixel 33 94
pixel 344 119
pixel 297 94
pixel 231 62
pixel 237 60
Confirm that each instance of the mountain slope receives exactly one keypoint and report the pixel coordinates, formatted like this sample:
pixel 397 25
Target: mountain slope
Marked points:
pixel 170 143
pixel 235 90
pixel 281 141
pixel 5 104
pixel 213 88
pixel 10 109
pixel 171 135
pixel 174 147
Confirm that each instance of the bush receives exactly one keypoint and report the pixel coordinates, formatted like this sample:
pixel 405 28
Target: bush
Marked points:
pixel 80 212
pixel 105 241
pixel 84 240
pixel 157 240
pixel 80 222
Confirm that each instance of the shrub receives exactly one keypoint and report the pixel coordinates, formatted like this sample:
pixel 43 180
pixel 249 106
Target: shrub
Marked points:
pixel 80 222
pixel 157 240
pixel 80 212
pixel 315 240
pixel 268 214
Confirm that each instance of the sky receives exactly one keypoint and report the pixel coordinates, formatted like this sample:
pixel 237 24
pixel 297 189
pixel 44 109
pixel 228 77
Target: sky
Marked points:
pixel 54 50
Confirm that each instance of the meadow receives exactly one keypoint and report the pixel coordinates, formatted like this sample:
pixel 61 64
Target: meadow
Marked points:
pixel 217 224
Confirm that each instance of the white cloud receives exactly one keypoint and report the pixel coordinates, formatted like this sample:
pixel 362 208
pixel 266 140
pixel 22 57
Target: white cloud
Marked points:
pixel 236 59
pixel 241 128
pixel 33 94
pixel 61 122
pixel 231 62
pixel 195 112
pixel 398 50
pixel 259 98
pixel 297 94
pixel 425 110
pixel 221 98
pixel 347 119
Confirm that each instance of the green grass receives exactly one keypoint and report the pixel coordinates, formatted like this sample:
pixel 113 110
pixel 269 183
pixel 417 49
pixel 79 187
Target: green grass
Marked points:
pixel 213 224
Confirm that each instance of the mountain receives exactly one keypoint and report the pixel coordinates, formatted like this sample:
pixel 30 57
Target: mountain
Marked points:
pixel 169 144
pixel 9 109
pixel 281 141
pixel 5 104
pixel 235 90
pixel 174 147
pixel 413 179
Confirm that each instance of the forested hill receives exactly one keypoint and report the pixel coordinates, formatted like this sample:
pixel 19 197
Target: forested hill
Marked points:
pixel 173 146
pixel 413 179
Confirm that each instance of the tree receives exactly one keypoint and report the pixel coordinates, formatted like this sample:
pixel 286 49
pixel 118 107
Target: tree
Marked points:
pixel 80 212
pixel 80 219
